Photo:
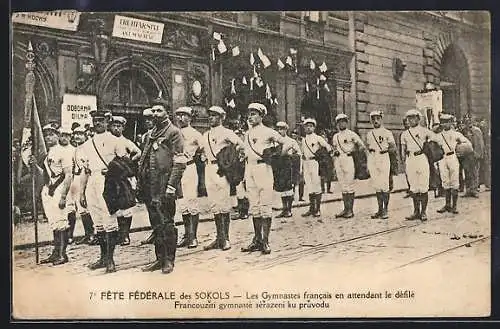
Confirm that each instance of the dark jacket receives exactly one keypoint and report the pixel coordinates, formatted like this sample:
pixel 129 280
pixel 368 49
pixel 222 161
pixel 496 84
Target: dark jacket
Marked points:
pixel 118 192
pixel 230 165
pixel 360 164
pixel 157 168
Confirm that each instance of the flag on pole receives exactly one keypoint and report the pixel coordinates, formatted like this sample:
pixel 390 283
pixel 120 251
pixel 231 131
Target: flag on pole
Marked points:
pixel 323 68
pixel 307 87
pixel 244 80
pixel 252 60
pixel 289 60
pixel 231 103
pixel 322 77
pixel 280 64
pixel 27 140
pixel 312 65
pixel 326 87
pixel 236 51
pixel 293 51
pixel 263 58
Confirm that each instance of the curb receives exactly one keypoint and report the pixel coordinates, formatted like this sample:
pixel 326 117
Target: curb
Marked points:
pixel 178 223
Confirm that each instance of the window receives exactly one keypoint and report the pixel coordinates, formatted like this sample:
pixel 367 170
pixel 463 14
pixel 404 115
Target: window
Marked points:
pixel 313 16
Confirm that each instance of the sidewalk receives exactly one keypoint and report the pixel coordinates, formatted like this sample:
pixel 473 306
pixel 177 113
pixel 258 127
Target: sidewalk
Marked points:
pixel 23 234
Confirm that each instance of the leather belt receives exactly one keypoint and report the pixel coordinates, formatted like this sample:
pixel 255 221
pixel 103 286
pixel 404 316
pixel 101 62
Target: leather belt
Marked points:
pixel 256 161
pixel 415 153
pixel 450 153
pixel 380 152
pixel 213 162
pixel 311 158
pixel 190 162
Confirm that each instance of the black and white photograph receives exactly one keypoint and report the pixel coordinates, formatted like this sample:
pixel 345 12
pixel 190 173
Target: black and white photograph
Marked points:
pixel 250 164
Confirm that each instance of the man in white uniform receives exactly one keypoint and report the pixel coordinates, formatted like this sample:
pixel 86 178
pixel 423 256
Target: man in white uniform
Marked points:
pixel 416 163
pixel 56 171
pixel 287 196
pixel 449 166
pixel 73 205
pixel 124 216
pixel 218 188
pixel 380 141
pixel 344 142
pixel 94 156
pixel 189 203
pixel 259 175
pixel 311 143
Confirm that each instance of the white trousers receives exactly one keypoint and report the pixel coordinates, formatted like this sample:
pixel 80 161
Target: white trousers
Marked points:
pixel 241 193
pixel 379 166
pixel 259 180
pixel 189 203
pixel 97 206
pixel 58 218
pixel 73 198
pixel 344 167
pixel 448 169
pixel 311 176
pixel 218 190
pixel 417 171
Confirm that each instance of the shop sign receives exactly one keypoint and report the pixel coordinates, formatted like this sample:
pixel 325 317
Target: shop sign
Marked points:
pixel 57 19
pixel 137 29
pixel 76 108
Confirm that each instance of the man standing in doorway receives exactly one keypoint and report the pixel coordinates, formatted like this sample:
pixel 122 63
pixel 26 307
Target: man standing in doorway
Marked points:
pixel 472 164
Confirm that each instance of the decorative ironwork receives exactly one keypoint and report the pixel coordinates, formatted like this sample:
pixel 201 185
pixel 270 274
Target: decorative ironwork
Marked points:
pixel 269 22
pixel 181 39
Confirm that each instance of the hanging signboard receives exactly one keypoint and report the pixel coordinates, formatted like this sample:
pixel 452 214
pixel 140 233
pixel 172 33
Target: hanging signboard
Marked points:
pixel 76 108
pixel 137 29
pixel 57 19
pixel 430 104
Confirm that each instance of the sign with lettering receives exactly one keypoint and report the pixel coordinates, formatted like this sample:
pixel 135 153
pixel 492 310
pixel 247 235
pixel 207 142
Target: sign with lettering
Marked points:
pixel 137 29
pixel 76 108
pixel 430 104
pixel 57 19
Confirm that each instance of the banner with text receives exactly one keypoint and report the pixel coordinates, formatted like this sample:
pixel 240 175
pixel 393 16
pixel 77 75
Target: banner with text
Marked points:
pixel 137 29
pixel 76 108
pixel 58 19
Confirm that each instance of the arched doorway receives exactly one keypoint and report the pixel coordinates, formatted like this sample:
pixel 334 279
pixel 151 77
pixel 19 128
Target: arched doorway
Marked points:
pixel 455 82
pixel 127 88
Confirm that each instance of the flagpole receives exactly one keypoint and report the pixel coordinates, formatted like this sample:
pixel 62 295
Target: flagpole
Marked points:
pixel 29 123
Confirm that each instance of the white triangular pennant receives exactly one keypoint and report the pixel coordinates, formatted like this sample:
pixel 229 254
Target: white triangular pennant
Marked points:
pixel 312 65
pixel 213 54
pixel 266 61
pixel 217 36
pixel 289 60
pixel 255 74
pixel 233 89
pixel 251 83
pixel 259 82
pixel 322 77
pixel 236 51
pixel 293 51
pixel 326 87
pixel 323 67
pixel 252 60
pixel 317 93
pixel 231 104
pixel 280 64
pixel 221 47
pixel 275 101
pixel 244 81
pixel 307 87
pixel 268 92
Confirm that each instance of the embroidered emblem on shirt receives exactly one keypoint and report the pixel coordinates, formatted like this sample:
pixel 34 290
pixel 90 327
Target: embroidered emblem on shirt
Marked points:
pixel 345 141
pixel 254 140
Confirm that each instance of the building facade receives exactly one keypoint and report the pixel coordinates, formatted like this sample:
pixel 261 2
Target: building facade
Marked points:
pixel 374 59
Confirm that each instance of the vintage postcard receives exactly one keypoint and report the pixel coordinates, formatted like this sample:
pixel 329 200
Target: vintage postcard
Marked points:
pixel 228 165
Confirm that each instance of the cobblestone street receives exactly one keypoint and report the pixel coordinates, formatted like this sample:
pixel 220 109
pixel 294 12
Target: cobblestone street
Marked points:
pixel 326 254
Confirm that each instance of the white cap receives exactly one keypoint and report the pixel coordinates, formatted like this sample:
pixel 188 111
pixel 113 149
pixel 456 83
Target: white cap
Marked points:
pixel 65 130
pixel 147 112
pixel 217 109
pixel 119 119
pixel 259 107
pixel 340 117
pixel 412 112
pixel 282 124
pixel 49 126
pixel 376 112
pixel 79 129
pixel 108 114
pixel 310 120
pixel 446 117
pixel 184 109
